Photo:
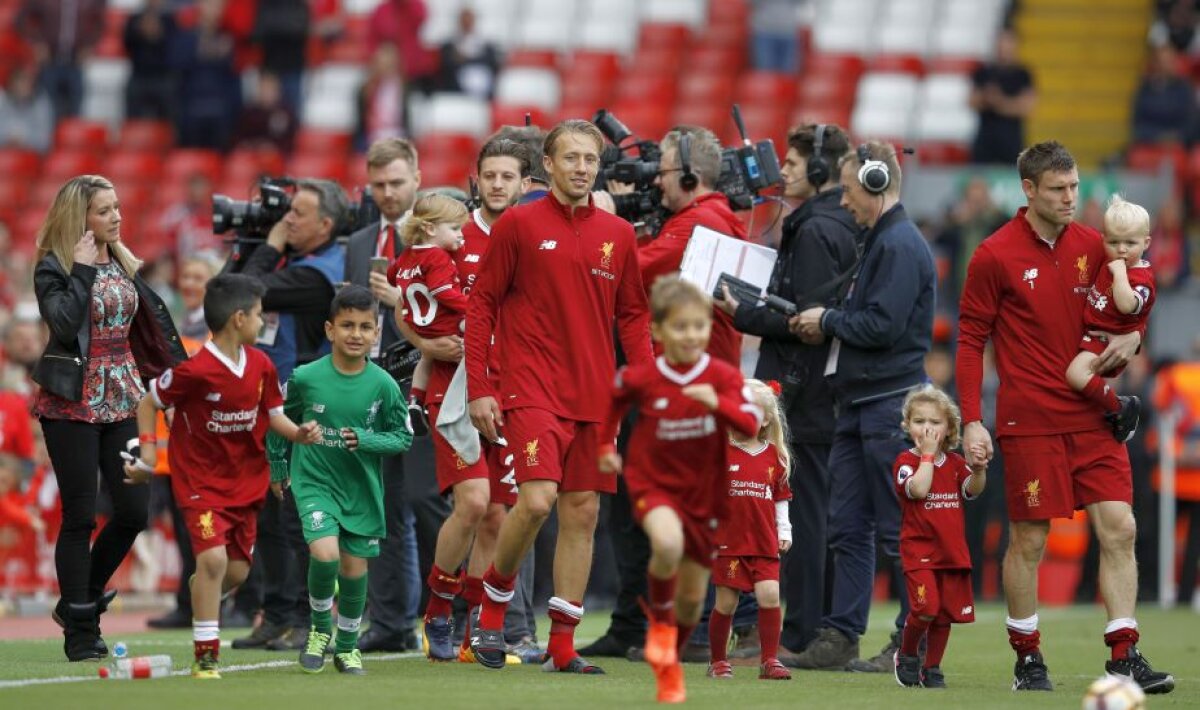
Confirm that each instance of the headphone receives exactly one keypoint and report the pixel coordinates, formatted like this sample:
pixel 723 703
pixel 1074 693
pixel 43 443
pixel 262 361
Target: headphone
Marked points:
pixel 873 175
pixel 818 168
pixel 688 180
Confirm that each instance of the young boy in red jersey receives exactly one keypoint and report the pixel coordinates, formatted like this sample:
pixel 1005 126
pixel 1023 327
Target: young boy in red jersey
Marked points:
pixel 687 403
pixel 754 532
pixel 223 397
pixel 931 482
pixel 1118 302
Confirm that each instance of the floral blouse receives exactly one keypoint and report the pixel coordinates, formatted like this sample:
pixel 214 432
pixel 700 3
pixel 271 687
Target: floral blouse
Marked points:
pixel 112 387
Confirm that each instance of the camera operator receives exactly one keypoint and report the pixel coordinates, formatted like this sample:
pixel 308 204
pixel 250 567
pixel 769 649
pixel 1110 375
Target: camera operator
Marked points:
pixel 879 337
pixel 301 265
pixel 817 250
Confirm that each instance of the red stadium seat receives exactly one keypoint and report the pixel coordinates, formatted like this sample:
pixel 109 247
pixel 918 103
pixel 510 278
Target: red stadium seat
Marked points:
pixel 315 140
pixel 734 12
pixel 596 93
pixel 712 88
pixel 546 58
pixel 444 146
pixel 81 134
pixel 637 87
pixel 19 162
pixel 347 51
pixel 827 90
pixel 761 122
pixel 146 135
pixel 648 121
pixel 817 113
pixel 358 171
pixel 318 165
pixel 184 162
pixel 449 171
pixel 898 63
pixel 580 109
pixel 764 86
pixel 729 37
pixel 952 65
pixel 716 59
pixel 596 66
pixel 24 230
pixel 508 115
pixel 1149 157
pixel 943 153
pixel 247 165
pixel 16 193
pixel 664 36
pixel 62 165
pixel 133 166
pixel 711 116
pixel 837 66
pixel 657 61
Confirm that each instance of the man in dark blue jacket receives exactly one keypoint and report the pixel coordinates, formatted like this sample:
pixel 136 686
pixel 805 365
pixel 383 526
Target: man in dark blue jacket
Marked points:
pixel 878 336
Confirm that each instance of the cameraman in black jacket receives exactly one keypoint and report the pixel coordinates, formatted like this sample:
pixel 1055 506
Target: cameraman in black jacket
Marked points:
pixel 817 248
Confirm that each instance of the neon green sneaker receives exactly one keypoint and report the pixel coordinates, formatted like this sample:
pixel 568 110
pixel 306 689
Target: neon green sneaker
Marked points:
pixel 206 668
pixel 349 663
pixel 312 658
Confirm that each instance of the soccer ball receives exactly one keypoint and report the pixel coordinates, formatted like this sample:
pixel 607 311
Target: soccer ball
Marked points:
pixel 1113 693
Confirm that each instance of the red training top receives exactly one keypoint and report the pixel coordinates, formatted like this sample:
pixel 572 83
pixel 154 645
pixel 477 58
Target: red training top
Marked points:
pixel 561 277
pixel 932 532
pixel 1102 312
pixel 1028 298
pixel 756 481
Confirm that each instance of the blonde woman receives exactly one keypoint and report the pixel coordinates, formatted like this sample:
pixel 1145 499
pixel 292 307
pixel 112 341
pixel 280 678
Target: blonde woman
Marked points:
pixel 109 332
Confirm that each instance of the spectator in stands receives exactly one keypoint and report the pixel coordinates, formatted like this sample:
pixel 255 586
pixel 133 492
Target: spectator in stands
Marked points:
pixel 1164 106
pixel 188 224
pixel 399 22
pixel 25 337
pixel 1004 96
pixel 1170 252
pixel 1176 24
pixel 270 120
pixel 26 115
pixel 381 105
pixel 194 273
pixel 148 34
pixel 775 35
pixel 208 89
pixel 62 33
pixel 328 20
pixel 281 29
pixel 968 222
pixel 469 62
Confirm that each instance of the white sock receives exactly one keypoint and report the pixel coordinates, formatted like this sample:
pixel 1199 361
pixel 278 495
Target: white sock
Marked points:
pixel 1023 626
pixel 206 630
pixel 1118 624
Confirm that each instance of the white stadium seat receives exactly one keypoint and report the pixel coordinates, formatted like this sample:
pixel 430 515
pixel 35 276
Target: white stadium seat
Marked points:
pixel 842 39
pixel 902 39
pixel 529 86
pixel 687 12
pixel 104 90
pixel 889 123
pixel 618 33
pixel 359 7
pixel 946 91
pixel 943 124
pixel 887 90
pixel 450 113
pixel 542 33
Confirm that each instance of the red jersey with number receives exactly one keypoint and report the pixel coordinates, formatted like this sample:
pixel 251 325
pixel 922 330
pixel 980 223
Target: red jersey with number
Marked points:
pixel 434 304
pixel 222 411
pixel 1102 312
pixel 932 532
pixel 679 445
pixel 755 481
pixel 554 282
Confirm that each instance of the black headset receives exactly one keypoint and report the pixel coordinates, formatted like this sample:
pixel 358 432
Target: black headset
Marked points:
pixel 818 168
pixel 873 175
pixel 688 180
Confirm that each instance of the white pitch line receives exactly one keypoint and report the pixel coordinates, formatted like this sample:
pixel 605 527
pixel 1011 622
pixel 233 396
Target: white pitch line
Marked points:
pixel 237 668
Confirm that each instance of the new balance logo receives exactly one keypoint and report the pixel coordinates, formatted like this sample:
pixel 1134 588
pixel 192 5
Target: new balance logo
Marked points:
pixel 213 397
pixel 471 258
pixel 735 467
pixel 548 244
pixel 967 609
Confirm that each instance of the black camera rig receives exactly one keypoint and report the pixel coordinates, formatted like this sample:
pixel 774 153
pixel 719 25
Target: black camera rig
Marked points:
pixel 746 292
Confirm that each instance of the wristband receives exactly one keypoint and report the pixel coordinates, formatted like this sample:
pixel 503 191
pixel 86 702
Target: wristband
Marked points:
pixel 147 438
pixel 927 458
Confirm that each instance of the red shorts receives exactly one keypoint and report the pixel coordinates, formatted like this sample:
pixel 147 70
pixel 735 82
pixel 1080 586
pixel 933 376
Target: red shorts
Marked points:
pixel 451 469
pixel 1096 346
pixel 500 474
pixel 741 573
pixel 699 535
pixel 944 593
pixel 1052 476
pixel 547 447
pixel 232 528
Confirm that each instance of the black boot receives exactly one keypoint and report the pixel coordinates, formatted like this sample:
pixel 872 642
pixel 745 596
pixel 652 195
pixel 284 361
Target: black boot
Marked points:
pixel 79 632
pixel 59 614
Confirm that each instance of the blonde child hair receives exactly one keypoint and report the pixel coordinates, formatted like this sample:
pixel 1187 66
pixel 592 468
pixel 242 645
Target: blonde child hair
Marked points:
pixel 1126 219
pixel 774 429
pixel 429 211
pixel 670 292
pixel 932 395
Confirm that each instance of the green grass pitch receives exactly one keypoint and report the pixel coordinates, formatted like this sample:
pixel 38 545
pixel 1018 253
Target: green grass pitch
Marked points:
pixel 978 669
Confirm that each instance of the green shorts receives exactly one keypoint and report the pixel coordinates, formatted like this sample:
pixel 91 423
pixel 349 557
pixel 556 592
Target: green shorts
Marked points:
pixel 317 524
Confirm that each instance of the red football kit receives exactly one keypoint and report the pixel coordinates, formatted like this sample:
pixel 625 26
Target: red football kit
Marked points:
pixel 933 539
pixel 219 472
pixel 664 254
pixel 1028 296
pixel 748 539
pixel 561 276
pixel 1102 312
pixel 677 451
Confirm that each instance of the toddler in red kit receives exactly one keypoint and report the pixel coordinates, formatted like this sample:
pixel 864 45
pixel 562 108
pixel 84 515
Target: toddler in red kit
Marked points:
pixel 754 532
pixel 687 404
pixel 1118 302
pixel 932 481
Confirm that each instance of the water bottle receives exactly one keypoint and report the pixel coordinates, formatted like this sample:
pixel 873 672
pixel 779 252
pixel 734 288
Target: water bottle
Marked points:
pixel 138 667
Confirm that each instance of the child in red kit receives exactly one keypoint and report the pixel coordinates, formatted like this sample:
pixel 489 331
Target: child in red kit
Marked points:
pixel 225 397
pixel 754 532
pixel 687 404
pixel 1118 302
pixel 931 482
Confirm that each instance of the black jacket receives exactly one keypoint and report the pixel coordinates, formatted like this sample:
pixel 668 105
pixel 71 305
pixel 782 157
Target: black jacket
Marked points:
pixel 303 292
pixel 359 250
pixel 886 323
pixel 65 303
pixel 818 245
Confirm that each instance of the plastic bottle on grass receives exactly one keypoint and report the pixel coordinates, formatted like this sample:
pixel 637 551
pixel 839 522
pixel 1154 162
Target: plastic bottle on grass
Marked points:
pixel 136 668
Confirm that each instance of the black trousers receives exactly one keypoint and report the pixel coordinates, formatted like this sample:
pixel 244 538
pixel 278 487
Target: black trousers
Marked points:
pixel 805 584
pixel 162 498
pixel 76 450
pixel 283 555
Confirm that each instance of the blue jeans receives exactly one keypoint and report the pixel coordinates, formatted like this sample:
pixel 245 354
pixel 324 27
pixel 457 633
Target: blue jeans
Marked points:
pixel 863 507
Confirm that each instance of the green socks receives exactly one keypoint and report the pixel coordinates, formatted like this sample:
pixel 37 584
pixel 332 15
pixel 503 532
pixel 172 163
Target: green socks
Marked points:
pixel 322 578
pixel 351 601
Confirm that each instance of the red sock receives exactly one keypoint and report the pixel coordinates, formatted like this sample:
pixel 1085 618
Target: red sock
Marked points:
pixel 935 642
pixel 914 628
pixel 719 626
pixel 1120 641
pixel 1024 644
pixel 472 591
pixel 662 599
pixel 202 647
pixel 564 617
pixel 443 587
pixel 770 625
pixel 685 633
pixel 498 592
pixel 1097 390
